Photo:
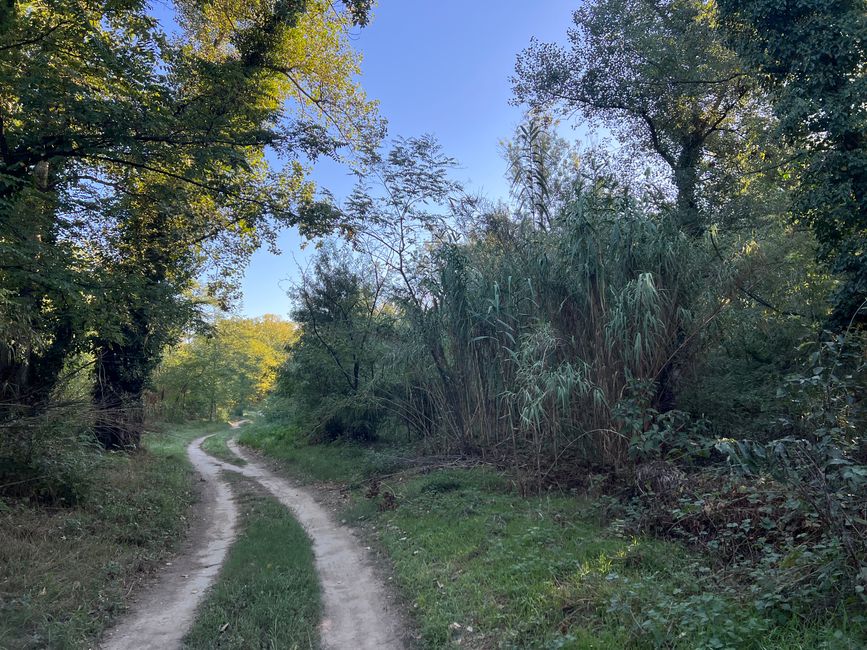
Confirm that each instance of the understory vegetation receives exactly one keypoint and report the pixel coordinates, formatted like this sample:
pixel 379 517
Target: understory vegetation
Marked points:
pixel 66 570
pixel 609 352
pixel 621 404
pixel 221 372
pixel 674 329
pixel 481 565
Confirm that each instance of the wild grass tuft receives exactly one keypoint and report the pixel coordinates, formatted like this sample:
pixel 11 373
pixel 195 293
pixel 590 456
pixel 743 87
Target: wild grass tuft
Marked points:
pixel 216 445
pixel 346 462
pixel 66 572
pixel 267 595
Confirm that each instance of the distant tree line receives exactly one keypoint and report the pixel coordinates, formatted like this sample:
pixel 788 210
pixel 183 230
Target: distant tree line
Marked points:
pixel 222 372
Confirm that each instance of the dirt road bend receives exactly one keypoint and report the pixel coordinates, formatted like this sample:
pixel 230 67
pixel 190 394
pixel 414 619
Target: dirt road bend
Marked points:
pixel 164 613
pixel 358 615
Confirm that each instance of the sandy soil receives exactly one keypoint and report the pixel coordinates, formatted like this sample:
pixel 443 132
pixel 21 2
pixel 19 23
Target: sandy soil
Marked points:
pixel 358 613
pixel 163 613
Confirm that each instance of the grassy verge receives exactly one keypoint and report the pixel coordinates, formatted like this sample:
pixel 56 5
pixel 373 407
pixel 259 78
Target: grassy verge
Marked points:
pixel 483 567
pixel 216 446
pixel 339 462
pixel 66 572
pixel 267 595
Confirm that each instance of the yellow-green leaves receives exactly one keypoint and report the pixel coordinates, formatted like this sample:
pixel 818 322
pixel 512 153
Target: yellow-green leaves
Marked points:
pixel 231 368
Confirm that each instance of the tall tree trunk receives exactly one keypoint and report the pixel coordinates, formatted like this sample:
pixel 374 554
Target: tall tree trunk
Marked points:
pixel 117 396
pixel 688 215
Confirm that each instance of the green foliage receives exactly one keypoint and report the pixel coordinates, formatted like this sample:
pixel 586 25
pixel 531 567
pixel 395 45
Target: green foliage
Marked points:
pixel 763 545
pixel 508 305
pixel 542 169
pixel 566 339
pixel 550 571
pixel 659 75
pixel 349 462
pixel 219 373
pixel 133 165
pixel 338 356
pixel 673 435
pixel 821 459
pixel 601 324
pixel 49 455
pixel 810 56
pixel 466 335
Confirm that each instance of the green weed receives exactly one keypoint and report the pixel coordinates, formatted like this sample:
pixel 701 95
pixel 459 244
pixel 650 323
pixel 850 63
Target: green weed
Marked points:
pixel 543 573
pixel 481 565
pixel 344 462
pixel 268 592
pixel 216 446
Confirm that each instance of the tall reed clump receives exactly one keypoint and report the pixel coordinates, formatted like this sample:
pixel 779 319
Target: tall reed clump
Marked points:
pixel 549 338
pixel 533 341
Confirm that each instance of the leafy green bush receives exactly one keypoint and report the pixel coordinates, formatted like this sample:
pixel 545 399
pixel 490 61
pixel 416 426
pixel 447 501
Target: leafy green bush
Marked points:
pixel 818 460
pixel 48 456
pixel 787 529
pixel 326 388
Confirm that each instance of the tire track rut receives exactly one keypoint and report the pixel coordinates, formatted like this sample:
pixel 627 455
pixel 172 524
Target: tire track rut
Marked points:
pixel 357 612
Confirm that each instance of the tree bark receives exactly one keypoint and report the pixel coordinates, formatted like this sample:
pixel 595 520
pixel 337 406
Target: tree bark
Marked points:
pixel 687 210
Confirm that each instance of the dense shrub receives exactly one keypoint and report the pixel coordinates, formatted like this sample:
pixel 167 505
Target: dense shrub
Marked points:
pixel 326 387
pixel 48 456
pixel 595 345
pixel 533 344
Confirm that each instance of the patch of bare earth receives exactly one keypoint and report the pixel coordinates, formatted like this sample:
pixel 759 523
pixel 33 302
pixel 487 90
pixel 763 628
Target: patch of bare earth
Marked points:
pixel 359 613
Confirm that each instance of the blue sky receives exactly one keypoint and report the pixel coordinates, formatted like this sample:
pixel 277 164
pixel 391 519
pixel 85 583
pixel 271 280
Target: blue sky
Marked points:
pixel 439 67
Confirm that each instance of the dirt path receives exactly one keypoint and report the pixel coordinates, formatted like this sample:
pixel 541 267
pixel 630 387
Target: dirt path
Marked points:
pixel 357 612
pixel 164 612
